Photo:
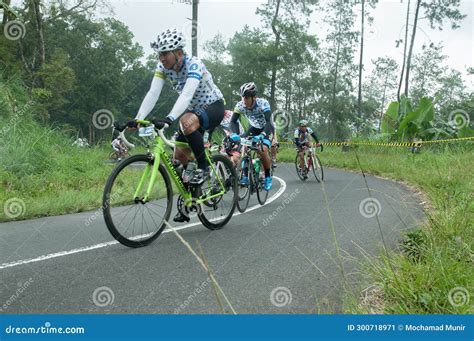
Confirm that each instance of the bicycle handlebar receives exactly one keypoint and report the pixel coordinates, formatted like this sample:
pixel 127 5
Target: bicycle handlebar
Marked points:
pixel 169 143
pixel 121 128
pixel 124 139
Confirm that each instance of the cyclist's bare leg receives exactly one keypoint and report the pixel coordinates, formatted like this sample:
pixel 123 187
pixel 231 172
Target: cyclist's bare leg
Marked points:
pixel 183 155
pixel 274 152
pixel 301 156
pixel 266 161
pixel 189 124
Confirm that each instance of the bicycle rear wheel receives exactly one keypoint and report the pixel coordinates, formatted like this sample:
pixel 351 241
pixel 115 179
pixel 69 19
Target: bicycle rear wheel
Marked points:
pixel 244 191
pixel 317 168
pixel 216 212
pixel 131 220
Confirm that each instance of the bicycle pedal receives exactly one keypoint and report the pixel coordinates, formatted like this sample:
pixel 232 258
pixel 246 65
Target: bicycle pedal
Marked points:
pixel 196 183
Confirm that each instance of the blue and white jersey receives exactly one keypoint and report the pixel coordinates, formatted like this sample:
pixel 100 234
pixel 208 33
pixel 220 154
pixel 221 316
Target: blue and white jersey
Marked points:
pixel 225 123
pixel 255 115
pixel 303 136
pixel 206 93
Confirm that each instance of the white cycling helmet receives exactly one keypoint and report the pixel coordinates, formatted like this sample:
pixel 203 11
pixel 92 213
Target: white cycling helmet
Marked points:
pixel 248 89
pixel 169 40
pixel 303 123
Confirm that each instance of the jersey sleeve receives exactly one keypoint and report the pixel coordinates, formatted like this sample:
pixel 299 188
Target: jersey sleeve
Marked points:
pixel 296 135
pixel 160 71
pixel 196 69
pixel 237 109
pixel 310 131
pixel 265 106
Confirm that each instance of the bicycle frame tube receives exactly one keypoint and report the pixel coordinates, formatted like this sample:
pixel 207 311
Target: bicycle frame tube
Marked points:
pixel 146 173
pixel 205 197
pixel 171 170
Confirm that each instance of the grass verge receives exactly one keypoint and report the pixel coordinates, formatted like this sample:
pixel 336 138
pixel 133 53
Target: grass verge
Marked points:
pixel 433 273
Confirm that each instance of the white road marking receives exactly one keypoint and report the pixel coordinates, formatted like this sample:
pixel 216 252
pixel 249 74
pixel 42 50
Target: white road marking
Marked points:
pixel 275 196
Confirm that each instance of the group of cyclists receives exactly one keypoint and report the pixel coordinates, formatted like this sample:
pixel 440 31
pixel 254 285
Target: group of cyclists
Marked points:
pixel 200 108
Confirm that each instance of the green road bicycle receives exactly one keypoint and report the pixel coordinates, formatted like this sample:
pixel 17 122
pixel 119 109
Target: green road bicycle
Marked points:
pixel 256 175
pixel 138 195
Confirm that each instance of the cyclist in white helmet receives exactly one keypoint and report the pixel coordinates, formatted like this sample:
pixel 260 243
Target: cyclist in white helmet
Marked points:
pixel 199 107
pixel 302 142
pixel 258 113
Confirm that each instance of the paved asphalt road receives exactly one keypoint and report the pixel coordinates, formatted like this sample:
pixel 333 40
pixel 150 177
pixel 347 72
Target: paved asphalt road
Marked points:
pixel 284 264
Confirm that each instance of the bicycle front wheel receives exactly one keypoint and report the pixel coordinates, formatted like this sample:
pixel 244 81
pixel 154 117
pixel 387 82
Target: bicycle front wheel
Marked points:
pixel 317 168
pixel 244 190
pixel 262 194
pixel 217 211
pixel 299 171
pixel 131 219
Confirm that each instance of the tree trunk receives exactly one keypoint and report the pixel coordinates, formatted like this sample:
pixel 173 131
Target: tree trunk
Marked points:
pixel 275 64
pixel 359 100
pixel 333 101
pixel 195 28
pixel 383 103
pixel 6 15
pixel 37 64
pixel 404 53
pixel 410 52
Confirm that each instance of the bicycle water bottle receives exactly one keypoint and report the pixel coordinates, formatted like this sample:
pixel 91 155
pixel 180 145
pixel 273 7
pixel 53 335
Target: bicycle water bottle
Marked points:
pixel 189 172
pixel 256 165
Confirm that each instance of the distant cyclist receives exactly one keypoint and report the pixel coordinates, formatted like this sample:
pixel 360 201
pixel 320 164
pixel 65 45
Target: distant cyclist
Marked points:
pixel 258 113
pixel 120 148
pixel 302 142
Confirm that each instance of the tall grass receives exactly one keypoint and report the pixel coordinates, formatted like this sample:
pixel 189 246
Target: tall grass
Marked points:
pixel 40 166
pixel 434 267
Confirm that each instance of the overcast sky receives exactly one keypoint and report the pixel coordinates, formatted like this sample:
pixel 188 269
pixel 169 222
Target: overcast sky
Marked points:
pixel 147 18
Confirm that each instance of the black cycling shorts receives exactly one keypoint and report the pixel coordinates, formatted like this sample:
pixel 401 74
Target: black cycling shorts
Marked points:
pixel 209 116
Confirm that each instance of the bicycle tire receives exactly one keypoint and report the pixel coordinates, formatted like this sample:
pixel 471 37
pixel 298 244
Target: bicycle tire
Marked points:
pixel 231 183
pixel 298 169
pixel 318 164
pixel 111 214
pixel 243 201
pixel 262 194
